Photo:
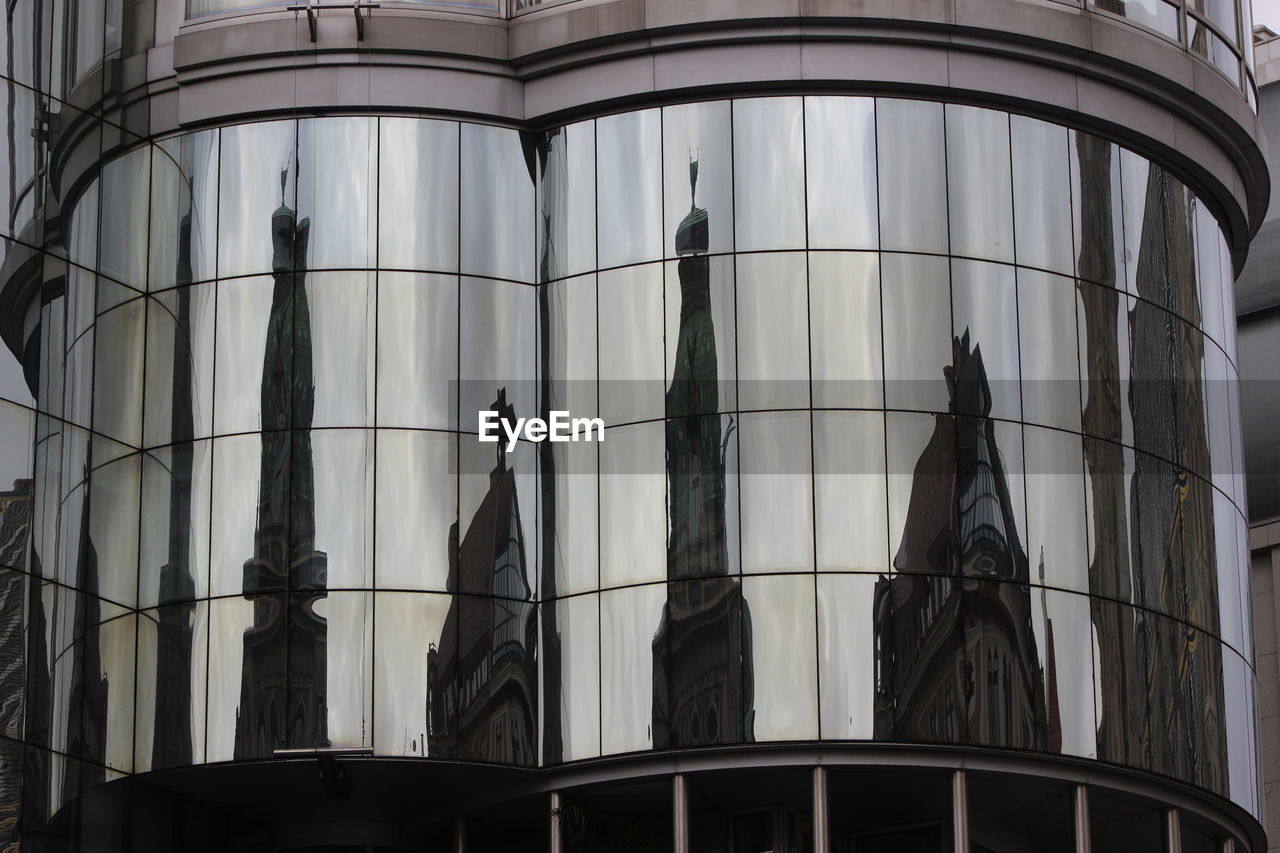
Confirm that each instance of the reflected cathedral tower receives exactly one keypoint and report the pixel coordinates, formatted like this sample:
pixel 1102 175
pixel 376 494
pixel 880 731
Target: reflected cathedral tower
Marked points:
pixel 703 678
pixel 284 675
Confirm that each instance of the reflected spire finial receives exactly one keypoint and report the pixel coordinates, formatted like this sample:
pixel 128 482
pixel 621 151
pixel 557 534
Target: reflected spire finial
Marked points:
pixel 693 181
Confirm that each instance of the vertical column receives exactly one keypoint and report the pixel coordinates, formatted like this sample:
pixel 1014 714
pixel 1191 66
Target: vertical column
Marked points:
pixel 1172 831
pixel 1083 839
pixel 1227 845
pixel 680 813
pixel 821 828
pixel 557 834
pixel 959 813
pixel 459 834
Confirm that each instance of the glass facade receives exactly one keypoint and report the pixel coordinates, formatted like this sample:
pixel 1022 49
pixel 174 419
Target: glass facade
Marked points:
pixel 920 427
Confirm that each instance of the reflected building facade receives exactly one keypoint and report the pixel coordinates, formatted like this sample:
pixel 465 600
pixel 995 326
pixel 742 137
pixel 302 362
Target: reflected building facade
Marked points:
pixel 917 520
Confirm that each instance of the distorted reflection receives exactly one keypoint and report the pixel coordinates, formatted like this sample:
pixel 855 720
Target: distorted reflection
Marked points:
pixel 703 676
pixel 956 655
pixel 482 678
pixel 284 674
pixel 1152 532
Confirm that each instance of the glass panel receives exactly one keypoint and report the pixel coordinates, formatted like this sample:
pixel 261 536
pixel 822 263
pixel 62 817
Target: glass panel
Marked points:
pixel 633 520
pixel 572 644
pixel 245 307
pixel 117 375
pixel 82 233
pixel 498 350
pixel 630 356
pixel 985 358
pixel 846 655
pixel 629 188
pixel 113 528
pixel 258 179
pixel 567 202
pixel 497 540
pixel 16 486
pixel 777 493
pixel 246 669
pixel 174 554
pixel 913 171
pixel 113 644
pixel 418 194
pixel 1208 44
pixel 634 676
pixel 768 173
pixel 179 371
pixel 840 148
pixel 568 309
pixel 916 293
pixel 337 190
pixel 979 191
pixel 237 466
pixel 417 361
pixel 702 496
pixel 125 190
pixel 339 329
pixel 417 508
pixel 184 210
pixel 701 335
pixel 1064 636
pixel 1098 221
pixel 1212 271
pixel 754 809
pixel 1056 508
pixel 697 149
pixel 1238 722
pixel 849 490
pixel 341 511
pixel 1050 343
pixel 1042 194
pixel 406 631
pixel 347 653
pixel 497 204
pixel 173 646
pixel 1118 822
pixel 783 653
pixel 844 330
pixel 773 331
pixel 1231 598
pixel 570 502
pixel 920 450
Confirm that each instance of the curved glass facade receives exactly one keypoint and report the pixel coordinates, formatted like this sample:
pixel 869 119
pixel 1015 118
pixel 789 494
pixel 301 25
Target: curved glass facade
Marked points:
pixel 919 419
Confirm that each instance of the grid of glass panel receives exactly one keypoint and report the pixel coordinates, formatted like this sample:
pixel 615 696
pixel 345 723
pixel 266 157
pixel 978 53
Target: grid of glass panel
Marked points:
pixel 920 427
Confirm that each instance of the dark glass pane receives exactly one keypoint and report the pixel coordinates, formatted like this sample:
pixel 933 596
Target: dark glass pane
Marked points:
pixel 1016 814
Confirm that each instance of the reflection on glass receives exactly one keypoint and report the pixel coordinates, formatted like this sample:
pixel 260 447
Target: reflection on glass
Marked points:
pixel 630 701
pixel 703 681
pixel 984 307
pixel 567 201
pixel 577 695
pixel 1064 638
pixel 283 683
pixel 243 307
pixel 768 173
pixel 117 373
pixel 1056 508
pixel 956 653
pixel 840 164
pixel 482 675
pixel 125 190
pixel 418 194
pixel 629 206
pixel 179 370
pixel 184 210
pixel 348 621
pixel 633 519
pixel 1098 221
pixel 172 645
pixel 498 347
pixel 773 333
pixel 257 176
pixel 698 134
pixel 113 528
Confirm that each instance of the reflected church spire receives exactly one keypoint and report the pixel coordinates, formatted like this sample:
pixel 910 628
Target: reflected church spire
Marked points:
pixel 284 676
pixel 703 677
